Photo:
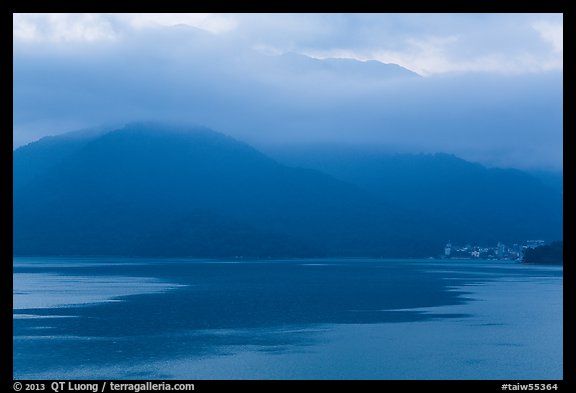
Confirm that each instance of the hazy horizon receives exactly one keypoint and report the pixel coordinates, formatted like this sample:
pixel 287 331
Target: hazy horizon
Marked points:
pixel 487 88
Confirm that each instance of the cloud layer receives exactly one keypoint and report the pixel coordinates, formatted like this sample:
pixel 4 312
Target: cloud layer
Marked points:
pixel 492 89
pixel 425 43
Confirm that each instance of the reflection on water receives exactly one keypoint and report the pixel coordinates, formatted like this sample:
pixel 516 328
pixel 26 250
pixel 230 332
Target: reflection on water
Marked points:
pixel 315 319
pixel 45 290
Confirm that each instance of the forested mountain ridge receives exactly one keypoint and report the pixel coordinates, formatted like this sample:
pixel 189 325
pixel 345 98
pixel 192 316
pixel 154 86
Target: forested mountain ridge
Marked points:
pixel 151 189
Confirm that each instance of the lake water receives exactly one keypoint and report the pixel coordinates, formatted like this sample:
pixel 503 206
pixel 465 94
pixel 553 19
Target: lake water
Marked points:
pixel 112 318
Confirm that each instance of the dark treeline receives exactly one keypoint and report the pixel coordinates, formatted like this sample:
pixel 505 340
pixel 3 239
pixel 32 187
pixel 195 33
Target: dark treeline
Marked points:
pixel 551 254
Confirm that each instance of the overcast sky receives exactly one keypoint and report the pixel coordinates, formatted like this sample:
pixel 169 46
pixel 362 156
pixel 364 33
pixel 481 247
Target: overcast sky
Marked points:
pixel 489 87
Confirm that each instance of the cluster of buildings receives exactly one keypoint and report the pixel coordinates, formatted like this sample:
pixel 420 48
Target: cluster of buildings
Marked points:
pixel 499 251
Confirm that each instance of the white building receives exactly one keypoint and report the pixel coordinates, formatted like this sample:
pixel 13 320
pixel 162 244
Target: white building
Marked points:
pixel 448 249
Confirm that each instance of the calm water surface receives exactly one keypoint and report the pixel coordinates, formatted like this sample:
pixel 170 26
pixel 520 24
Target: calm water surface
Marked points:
pixel 118 318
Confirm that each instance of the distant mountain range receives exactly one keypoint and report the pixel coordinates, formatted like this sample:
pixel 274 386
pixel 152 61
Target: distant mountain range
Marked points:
pixel 342 68
pixel 163 190
pixel 486 205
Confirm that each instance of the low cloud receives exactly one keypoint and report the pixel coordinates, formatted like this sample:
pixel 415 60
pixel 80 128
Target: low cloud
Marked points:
pixel 73 72
pixel 551 32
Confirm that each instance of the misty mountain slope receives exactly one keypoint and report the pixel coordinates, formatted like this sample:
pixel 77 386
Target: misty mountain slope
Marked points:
pixel 487 205
pixel 150 189
pixel 372 70
pixel 37 158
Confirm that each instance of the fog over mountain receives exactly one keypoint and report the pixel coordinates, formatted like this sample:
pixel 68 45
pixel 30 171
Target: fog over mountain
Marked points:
pixel 335 134
pixel 442 186
pixel 487 88
pixel 152 189
pixel 331 196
